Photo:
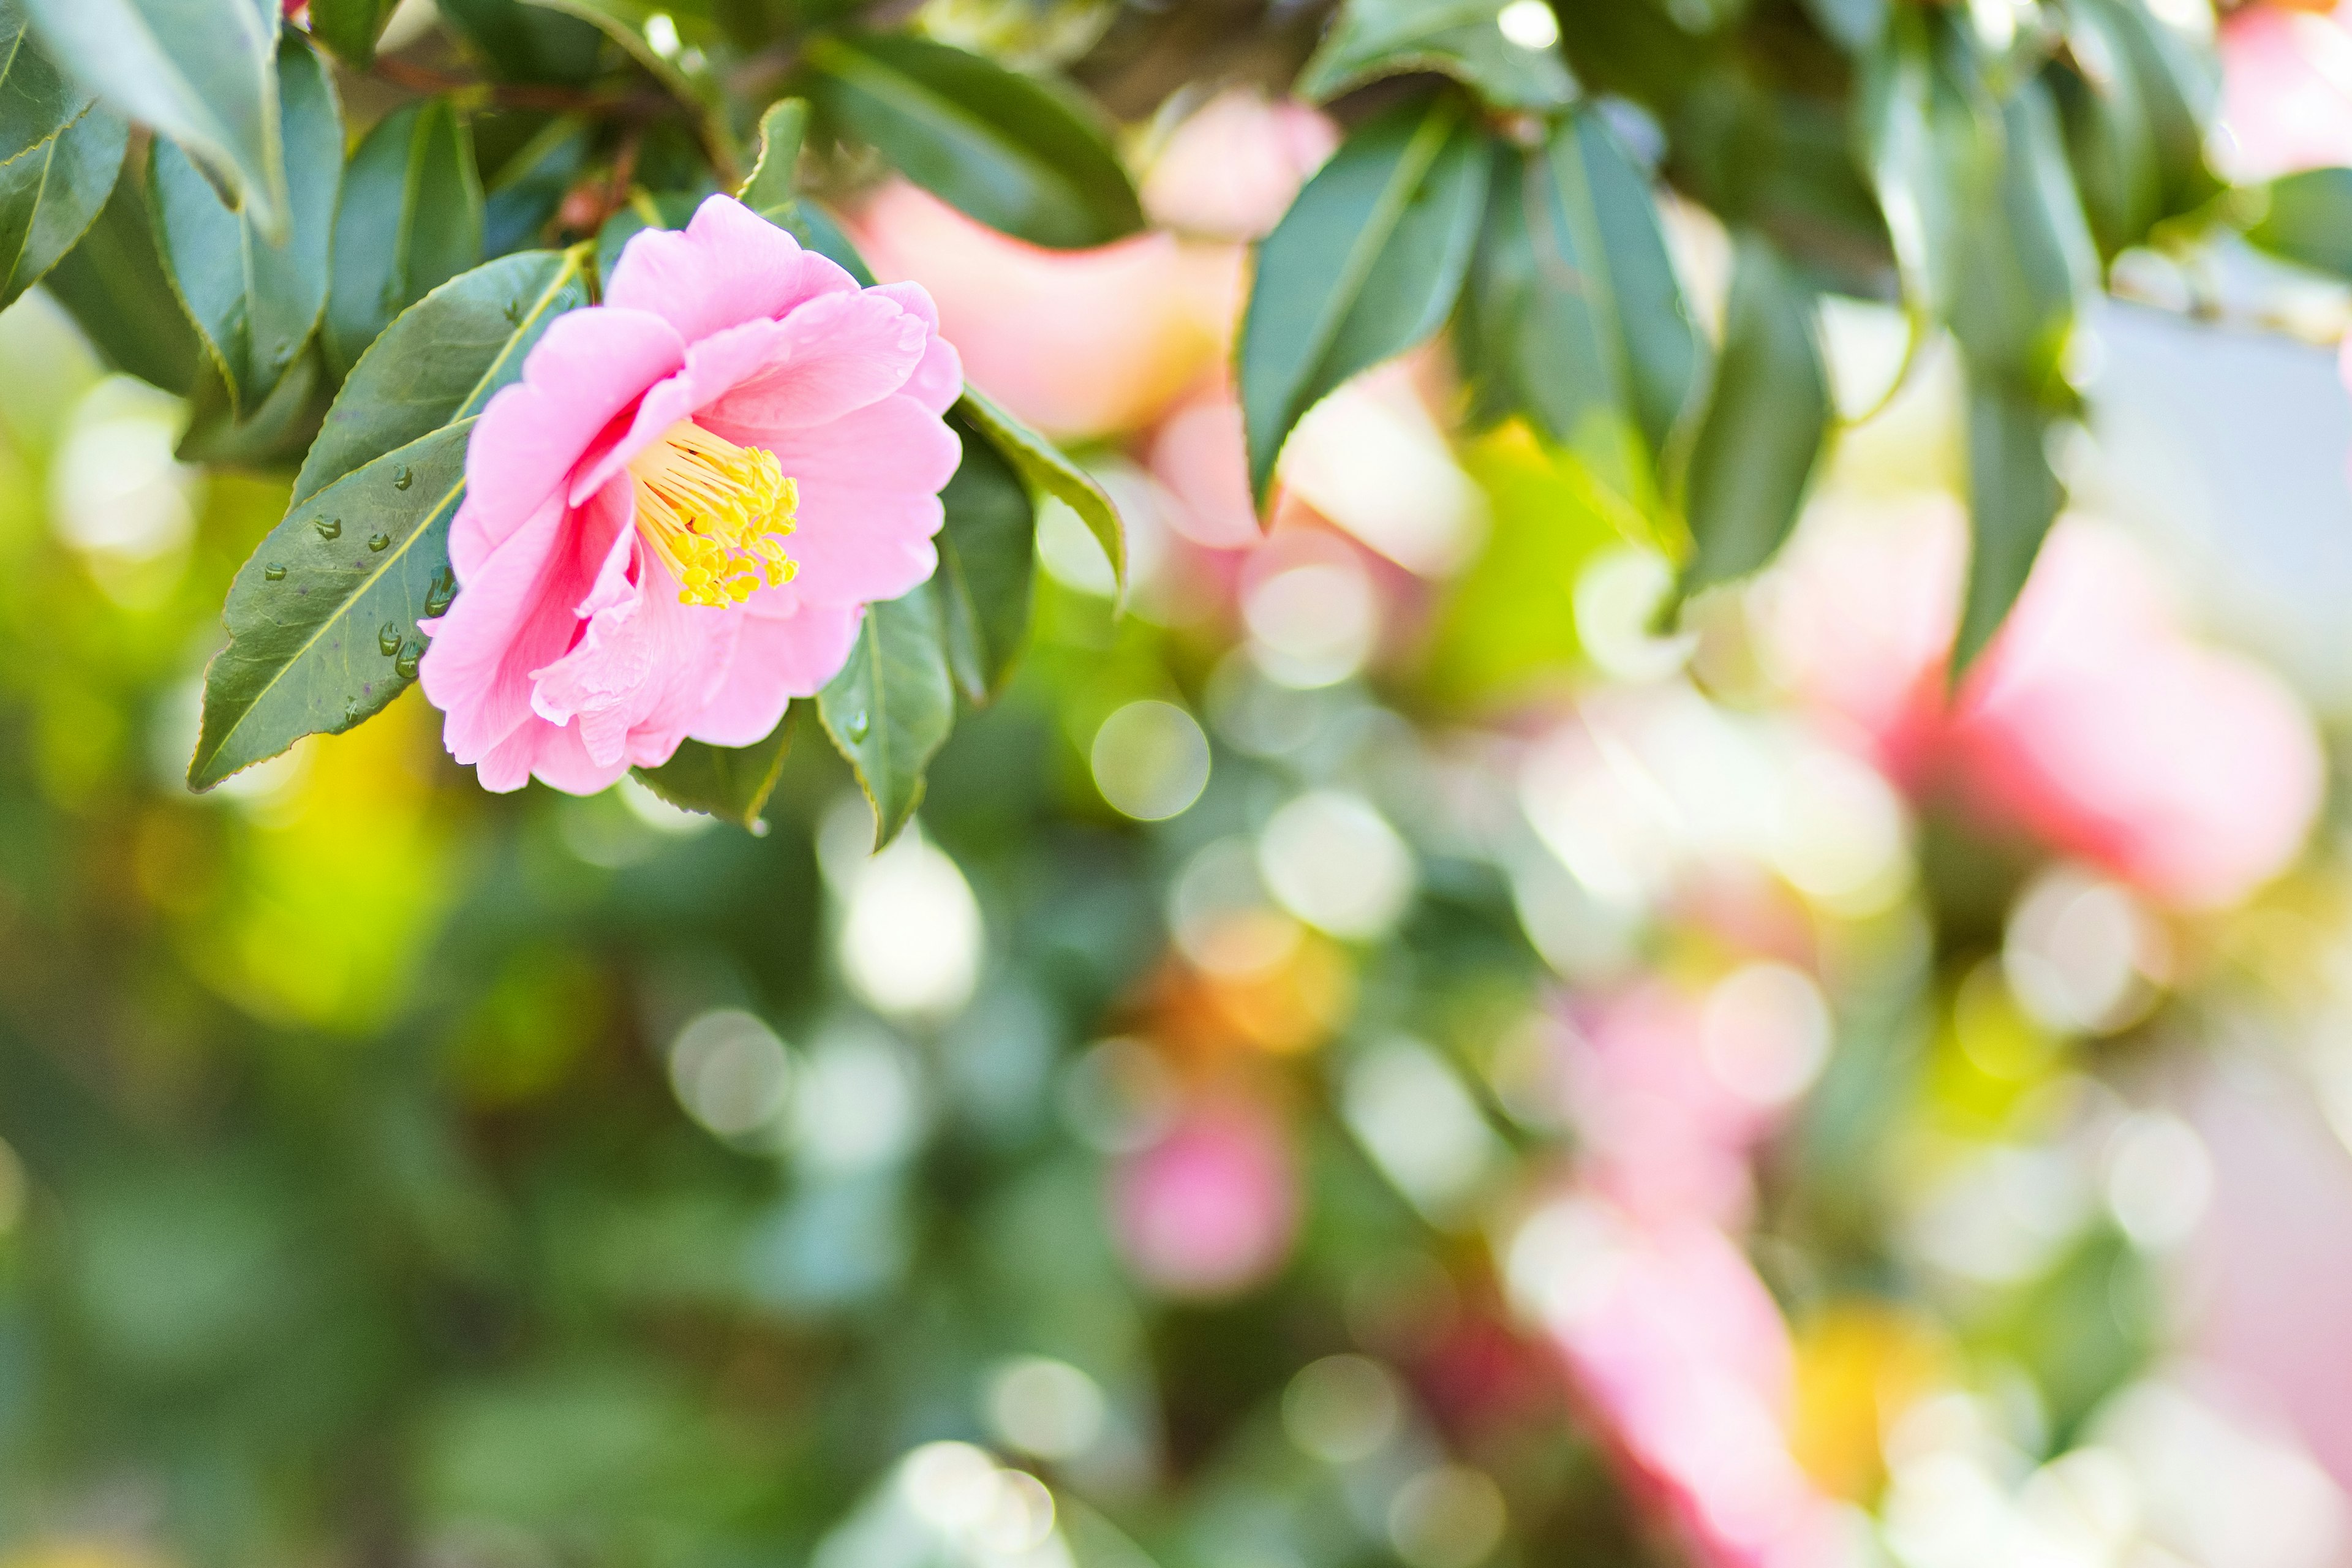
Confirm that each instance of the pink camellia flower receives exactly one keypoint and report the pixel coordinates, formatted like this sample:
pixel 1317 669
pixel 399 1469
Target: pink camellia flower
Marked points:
pixel 1211 1208
pixel 2286 90
pixel 674 522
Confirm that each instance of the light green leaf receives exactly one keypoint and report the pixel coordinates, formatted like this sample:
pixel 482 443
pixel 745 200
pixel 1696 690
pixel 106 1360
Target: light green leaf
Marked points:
pixel 730 782
pixel 1463 39
pixel 350 27
pixel 1367 263
pixel 1854 25
pixel 60 155
pixel 1016 152
pixel 202 72
pixel 525 43
pixel 256 300
pixel 988 552
pixel 1767 417
pixel 2013 497
pixel 112 285
pixel 409 219
pixel 322 620
pixel 769 190
pixel 892 706
pixel 1047 471
pixel 2025 256
pixel 2307 218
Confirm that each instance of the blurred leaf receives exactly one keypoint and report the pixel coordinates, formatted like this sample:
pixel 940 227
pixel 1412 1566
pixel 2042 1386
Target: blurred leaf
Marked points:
pixel 529 188
pixel 769 191
pixel 2024 256
pixel 112 284
pixel 890 709
pixel 730 782
pixel 1928 151
pixel 2013 497
pixel 1019 155
pixel 202 72
pixel 2308 219
pixel 988 552
pixel 1048 472
pixel 1766 419
pixel 1854 25
pixel 322 618
pixel 2110 136
pixel 60 155
pixel 525 43
pixel 409 219
pixel 256 301
pixel 1366 264
pixel 269 437
pixel 443 357
pixel 1377 39
pixel 350 27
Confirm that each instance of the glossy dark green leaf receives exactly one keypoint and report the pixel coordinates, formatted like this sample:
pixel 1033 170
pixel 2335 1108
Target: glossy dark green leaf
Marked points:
pixel 112 285
pixel 769 190
pixel 60 154
pixel 526 43
pixel 2110 131
pixel 1767 416
pixel 892 706
pixel 1367 263
pixel 201 72
pixel 443 357
pixel 1048 472
pixel 1018 154
pixel 730 782
pixel 271 437
pixel 1461 39
pixel 988 552
pixel 364 550
pixel 409 219
pixel 322 619
pixel 2026 257
pixel 2013 498
pixel 350 27
pixel 255 301
pixel 2308 219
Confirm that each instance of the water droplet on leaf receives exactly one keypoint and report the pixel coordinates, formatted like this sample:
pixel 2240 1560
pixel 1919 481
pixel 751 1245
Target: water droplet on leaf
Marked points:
pixel 379 541
pixel 402 477
pixel 329 527
pixel 857 725
pixel 443 590
pixel 388 639
pixel 274 572
pixel 405 665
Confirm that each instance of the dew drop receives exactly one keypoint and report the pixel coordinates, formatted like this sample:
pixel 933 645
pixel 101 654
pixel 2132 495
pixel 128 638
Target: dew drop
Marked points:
pixel 402 477
pixel 404 666
pixel 857 725
pixel 379 542
pixel 388 639
pixel 329 527
pixel 514 311
pixel 443 590
pixel 274 572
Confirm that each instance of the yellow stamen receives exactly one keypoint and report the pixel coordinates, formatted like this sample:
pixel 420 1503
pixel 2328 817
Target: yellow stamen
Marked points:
pixel 716 513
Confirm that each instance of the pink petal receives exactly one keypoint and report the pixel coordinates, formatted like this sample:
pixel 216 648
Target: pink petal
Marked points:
pixel 591 365
pixel 713 366
pixel 837 353
pixel 726 267
pixel 938 382
pixel 776 659
pixel 869 485
pixel 561 761
pixel 515 615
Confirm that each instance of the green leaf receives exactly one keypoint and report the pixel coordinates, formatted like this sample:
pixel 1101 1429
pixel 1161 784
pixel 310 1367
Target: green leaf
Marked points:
pixel 1047 471
pixel 771 190
pixel 1766 419
pixel 524 43
pixel 1367 263
pixel 322 619
pixel 1462 38
pixel 202 72
pixel 2308 219
pixel 988 552
pixel 1854 25
pixel 441 359
pixel 409 219
pixel 389 466
pixel 2013 497
pixel 270 438
pixel 730 782
pixel 60 155
pixel 890 709
pixel 1019 155
pixel 257 302
pixel 350 27
pixel 2026 257
pixel 529 188
pixel 112 285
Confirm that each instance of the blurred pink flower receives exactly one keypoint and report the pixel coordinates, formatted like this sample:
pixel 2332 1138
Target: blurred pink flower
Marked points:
pixel 1232 169
pixel 2286 92
pixel 2093 723
pixel 1078 343
pixel 674 520
pixel 1211 1208
pixel 1681 1358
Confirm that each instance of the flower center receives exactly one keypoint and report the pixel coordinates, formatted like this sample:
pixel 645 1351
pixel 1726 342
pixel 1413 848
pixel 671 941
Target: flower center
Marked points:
pixel 716 513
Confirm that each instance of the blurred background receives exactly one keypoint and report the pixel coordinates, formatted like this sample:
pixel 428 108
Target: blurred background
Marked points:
pixel 1372 1054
